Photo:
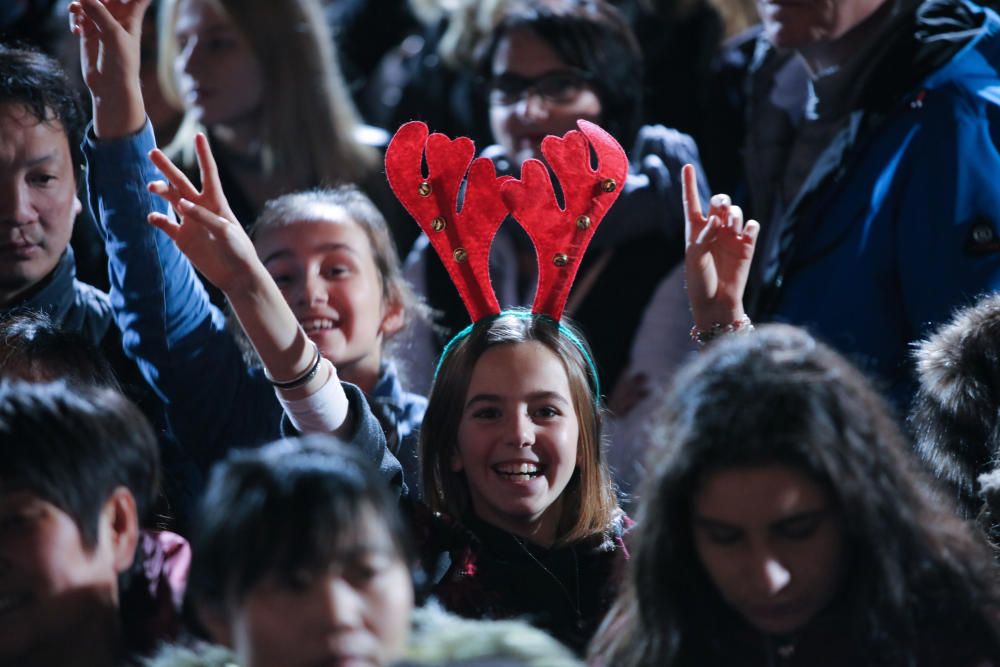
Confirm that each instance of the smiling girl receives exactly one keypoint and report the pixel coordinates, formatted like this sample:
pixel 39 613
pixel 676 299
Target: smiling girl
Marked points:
pixel 511 449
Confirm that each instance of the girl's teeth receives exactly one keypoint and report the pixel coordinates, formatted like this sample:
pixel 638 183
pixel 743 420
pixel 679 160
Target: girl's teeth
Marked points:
pixel 311 325
pixel 518 471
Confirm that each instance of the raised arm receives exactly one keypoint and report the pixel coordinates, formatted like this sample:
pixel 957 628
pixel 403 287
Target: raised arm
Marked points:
pixel 178 339
pixel 216 243
pixel 719 249
pixel 109 32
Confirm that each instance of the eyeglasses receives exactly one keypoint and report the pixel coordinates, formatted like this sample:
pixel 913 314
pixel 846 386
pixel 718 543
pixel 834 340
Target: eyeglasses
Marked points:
pixel 559 87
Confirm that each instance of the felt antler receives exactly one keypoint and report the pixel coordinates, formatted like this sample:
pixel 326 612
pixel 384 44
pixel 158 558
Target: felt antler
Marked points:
pixel 560 235
pixel 461 238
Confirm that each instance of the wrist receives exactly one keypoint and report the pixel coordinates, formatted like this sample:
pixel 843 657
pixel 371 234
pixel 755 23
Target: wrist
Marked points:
pixel 253 284
pixel 706 317
pixel 117 118
pixel 704 335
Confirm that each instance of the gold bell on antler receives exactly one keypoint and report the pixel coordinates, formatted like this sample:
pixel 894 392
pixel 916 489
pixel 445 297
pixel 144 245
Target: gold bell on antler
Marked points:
pixel 609 185
pixel 438 224
pixel 424 189
pixel 560 260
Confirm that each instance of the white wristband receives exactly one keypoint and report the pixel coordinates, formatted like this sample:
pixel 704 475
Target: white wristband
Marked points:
pixel 323 411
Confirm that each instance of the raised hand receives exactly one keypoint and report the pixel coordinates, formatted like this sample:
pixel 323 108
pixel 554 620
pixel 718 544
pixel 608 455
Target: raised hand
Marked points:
pixel 719 249
pixel 110 31
pixel 209 234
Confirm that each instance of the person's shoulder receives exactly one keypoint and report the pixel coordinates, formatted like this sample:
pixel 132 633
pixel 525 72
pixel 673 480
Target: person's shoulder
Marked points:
pixel 85 293
pixel 94 310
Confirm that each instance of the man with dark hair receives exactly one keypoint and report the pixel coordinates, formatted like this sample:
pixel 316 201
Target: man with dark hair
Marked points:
pixel 41 127
pixel 78 472
pixel 872 159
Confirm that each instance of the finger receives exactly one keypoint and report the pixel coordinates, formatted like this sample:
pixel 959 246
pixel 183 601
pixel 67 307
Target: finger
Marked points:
pixel 719 206
pixel 751 230
pixel 166 191
pixel 736 219
pixel 709 233
pixel 202 216
pixel 79 23
pixel 693 217
pixel 86 30
pixel 125 13
pixel 101 16
pixel 210 183
pixel 173 174
pixel 164 223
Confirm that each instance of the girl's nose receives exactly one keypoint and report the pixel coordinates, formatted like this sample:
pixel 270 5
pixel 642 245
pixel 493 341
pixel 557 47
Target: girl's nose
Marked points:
pixel 521 430
pixel 314 291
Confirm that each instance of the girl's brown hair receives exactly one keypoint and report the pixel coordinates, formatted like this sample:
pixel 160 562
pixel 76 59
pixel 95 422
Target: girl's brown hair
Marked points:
pixel 590 505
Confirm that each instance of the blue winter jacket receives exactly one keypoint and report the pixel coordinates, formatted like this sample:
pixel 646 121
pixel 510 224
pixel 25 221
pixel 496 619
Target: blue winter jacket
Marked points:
pixel 897 225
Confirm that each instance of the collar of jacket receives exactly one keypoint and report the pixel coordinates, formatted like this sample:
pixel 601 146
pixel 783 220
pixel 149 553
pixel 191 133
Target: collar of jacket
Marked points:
pixel 54 293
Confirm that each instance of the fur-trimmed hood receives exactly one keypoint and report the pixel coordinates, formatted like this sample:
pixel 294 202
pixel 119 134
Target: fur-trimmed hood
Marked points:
pixel 956 413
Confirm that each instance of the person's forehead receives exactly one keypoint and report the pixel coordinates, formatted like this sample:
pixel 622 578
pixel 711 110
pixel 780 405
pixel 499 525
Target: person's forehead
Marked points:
pixel 19 112
pixel 368 536
pixel 523 51
pixel 25 135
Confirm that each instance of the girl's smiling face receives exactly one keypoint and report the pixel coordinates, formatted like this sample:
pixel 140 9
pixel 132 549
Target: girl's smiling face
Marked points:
pixel 324 265
pixel 517 439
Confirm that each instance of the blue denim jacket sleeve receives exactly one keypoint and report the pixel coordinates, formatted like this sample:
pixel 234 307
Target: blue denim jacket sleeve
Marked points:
pixel 169 326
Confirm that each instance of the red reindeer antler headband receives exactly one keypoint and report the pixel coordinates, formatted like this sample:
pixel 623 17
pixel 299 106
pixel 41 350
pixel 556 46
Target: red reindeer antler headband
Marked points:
pixel 463 238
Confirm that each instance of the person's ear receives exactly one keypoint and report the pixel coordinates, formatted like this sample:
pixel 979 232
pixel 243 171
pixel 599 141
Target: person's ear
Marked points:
pixel 77 207
pixel 393 318
pixel 120 518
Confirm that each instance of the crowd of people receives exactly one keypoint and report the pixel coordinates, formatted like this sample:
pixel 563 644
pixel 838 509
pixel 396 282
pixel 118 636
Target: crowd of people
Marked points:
pixel 408 339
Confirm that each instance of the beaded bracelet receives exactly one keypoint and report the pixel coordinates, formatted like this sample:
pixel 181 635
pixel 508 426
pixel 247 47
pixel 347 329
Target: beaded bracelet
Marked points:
pixel 309 373
pixel 704 336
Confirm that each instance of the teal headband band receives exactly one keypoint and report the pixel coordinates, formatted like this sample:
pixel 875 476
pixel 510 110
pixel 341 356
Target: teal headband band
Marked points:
pixel 525 315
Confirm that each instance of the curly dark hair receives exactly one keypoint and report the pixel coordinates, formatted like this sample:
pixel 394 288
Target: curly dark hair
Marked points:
pixel 779 397
pixel 37 82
